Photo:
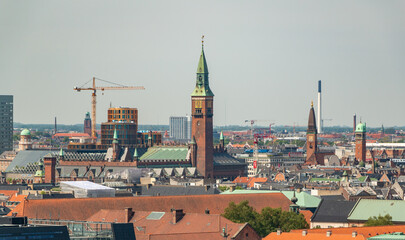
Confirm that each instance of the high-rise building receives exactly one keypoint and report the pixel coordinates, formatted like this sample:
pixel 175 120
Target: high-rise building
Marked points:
pixel 87 124
pixel 202 103
pixel 180 128
pixel 125 121
pixel 6 123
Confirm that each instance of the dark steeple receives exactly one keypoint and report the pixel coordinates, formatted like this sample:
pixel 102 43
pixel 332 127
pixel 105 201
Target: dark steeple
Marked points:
pixel 311 120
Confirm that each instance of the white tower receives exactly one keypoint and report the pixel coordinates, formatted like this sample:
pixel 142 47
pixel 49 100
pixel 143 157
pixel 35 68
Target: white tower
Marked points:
pixel 319 121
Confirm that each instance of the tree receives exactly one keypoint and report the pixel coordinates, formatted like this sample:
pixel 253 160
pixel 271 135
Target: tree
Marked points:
pixel 379 221
pixel 268 220
pixel 241 213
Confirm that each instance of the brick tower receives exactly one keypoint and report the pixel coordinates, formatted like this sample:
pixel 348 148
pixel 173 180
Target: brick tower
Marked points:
pixel 202 100
pixel 312 141
pixel 360 152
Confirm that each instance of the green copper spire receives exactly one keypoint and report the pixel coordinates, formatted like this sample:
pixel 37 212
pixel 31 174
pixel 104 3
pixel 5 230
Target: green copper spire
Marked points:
pixel 115 136
pixel 221 137
pixel 61 152
pixel 136 153
pixel 202 87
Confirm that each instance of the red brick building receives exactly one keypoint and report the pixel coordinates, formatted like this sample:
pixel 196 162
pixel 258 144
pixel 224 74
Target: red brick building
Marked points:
pixel 202 103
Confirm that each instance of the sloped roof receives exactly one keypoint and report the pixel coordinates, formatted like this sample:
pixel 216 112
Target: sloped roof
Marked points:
pixel 81 209
pixel 225 159
pixel 165 153
pixel 190 226
pixel 365 231
pixel 333 211
pixel 25 157
pixel 168 190
pixel 366 208
pixel 312 236
pixel 304 199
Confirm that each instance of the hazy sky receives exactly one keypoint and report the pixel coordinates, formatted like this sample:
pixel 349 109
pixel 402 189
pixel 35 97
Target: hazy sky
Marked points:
pixel 264 58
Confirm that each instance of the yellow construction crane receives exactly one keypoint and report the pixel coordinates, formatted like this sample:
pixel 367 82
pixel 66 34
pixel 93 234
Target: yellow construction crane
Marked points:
pixel 93 98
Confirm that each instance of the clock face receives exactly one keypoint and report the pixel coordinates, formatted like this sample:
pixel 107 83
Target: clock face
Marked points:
pixel 311 138
pixel 198 104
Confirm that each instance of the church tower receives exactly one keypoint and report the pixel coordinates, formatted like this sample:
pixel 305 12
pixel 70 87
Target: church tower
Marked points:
pixel 202 102
pixel 312 141
pixel 360 152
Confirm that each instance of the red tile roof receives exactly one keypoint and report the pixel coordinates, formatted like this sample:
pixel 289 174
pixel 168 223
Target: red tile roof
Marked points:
pixel 312 236
pixel 81 209
pixel 366 231
pixel 191 226
pixel 252 181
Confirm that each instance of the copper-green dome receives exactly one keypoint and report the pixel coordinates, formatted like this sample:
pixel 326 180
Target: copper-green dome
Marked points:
pixel 361 127
pixel 25 132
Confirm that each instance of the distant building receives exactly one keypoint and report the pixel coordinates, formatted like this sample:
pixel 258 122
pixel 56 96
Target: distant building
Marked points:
pixel 87 124
pixel 180 128
pixel 125 121
pixel 6 123
pixel 25 140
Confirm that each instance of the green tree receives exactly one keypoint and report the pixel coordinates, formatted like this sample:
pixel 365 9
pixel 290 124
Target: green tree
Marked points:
pixel 379 221
pixel 268 220
pixel 241 213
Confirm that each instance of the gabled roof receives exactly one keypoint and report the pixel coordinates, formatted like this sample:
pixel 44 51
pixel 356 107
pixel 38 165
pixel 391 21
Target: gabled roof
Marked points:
pixel 366 208
pixel 81 209
pixel 332 211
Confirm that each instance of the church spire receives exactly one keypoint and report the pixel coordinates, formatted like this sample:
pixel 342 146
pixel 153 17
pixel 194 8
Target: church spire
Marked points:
pixel 311 120
pixel 202 87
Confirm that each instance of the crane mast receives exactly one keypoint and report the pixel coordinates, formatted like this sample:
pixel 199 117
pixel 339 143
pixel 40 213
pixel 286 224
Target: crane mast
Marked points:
pixel 94 100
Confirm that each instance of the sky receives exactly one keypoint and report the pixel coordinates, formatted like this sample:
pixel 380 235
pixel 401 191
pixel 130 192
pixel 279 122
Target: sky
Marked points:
pixel 264 58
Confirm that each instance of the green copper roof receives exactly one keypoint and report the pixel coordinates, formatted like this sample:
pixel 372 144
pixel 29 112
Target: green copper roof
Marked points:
pixel 366 208
pixel 193 140
pixel 115 136
pixel 165 153
pixel 202 87
pixel 361 127
pixel 202 64
pixel 39 173
pixel 61 152
pixel 25 132
pixel 136 153
pixel 221 137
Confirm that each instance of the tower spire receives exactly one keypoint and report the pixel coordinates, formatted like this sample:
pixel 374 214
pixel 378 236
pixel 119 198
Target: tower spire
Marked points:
pixel 202 86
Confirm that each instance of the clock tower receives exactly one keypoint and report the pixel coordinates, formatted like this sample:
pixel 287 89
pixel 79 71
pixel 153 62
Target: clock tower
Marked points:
pixel 360 133
pixel 202 103
pixel 312 141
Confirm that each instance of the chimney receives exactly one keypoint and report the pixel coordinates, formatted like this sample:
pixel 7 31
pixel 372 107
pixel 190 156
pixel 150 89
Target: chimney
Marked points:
pixel 206 188
pixel 50 164
pixel 279 231
pixel 148 185
pixel 354 234
pixel 128 214
pixel 329 233
pixel 177 215
pixel 232 188
pixel 304 232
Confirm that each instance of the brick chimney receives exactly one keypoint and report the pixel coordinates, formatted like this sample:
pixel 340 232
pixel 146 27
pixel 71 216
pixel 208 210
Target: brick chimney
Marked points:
pixel 177 215
pixel 49 164
pixel 128 214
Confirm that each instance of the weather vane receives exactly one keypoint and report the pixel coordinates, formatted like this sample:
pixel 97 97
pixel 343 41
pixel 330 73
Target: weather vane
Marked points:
pixel 202 40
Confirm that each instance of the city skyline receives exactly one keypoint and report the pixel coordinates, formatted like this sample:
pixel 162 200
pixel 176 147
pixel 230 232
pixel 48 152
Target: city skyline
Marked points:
pixel 264 59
